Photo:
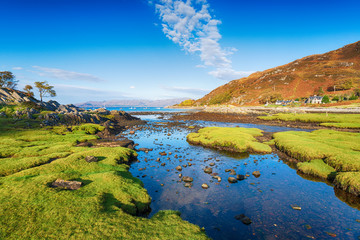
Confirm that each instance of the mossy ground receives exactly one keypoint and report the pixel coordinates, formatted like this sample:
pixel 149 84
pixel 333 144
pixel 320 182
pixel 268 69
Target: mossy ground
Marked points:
pixel 328 120
pixel 235 139
pixel 105 207
pixel 328 154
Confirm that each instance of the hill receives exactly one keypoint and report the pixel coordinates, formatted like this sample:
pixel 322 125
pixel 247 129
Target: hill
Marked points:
pixel 132 103
pixel 332 73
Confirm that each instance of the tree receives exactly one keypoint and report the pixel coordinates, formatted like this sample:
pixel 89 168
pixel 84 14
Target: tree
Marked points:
pixel 325 99
pixel 45 90
pixel 28 91
pixel 7 79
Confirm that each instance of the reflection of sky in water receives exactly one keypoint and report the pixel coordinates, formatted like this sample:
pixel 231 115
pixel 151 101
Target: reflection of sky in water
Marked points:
pixel 266 200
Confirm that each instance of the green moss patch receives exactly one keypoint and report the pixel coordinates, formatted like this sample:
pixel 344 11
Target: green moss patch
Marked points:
pixel 340 150
pixel 235 139
pixel 349 181
pixel 106 206
pixel 317 168
pixel 327 154
pixel 328 120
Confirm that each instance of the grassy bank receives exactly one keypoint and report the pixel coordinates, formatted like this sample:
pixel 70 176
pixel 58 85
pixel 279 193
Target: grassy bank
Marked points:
pixel 234 139
pixel 107 205
pixel 327 154
pixel 328 120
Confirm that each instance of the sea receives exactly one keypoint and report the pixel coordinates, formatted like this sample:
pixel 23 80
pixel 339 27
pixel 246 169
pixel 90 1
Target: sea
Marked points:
pixel 144 109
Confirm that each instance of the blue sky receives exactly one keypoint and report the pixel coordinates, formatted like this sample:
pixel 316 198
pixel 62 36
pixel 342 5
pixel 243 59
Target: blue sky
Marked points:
pixel 107 49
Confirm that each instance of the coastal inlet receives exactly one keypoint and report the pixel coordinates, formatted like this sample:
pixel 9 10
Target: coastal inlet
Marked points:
pixel 267 200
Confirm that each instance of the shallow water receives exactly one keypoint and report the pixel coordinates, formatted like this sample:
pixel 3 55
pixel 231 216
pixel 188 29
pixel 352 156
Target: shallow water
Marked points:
pixel 265 200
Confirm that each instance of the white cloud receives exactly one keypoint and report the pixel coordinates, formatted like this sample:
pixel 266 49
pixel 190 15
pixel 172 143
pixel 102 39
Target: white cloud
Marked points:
pixel 132 87
pixel 196 91
pixel 65 75
pixel 17 68
pixel 190 24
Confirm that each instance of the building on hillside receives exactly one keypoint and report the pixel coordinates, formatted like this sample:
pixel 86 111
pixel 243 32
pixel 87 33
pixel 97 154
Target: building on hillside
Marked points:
pixel 314 99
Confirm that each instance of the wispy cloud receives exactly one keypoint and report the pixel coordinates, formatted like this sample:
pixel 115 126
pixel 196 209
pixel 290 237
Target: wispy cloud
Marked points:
pixel 190 24
pixel 196 91
pixel 17 68
pixel 65 75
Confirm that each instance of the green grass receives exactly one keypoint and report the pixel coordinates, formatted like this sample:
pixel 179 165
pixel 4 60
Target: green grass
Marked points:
pixel 235 139
pixel 317 168
pixel 340 150
pixel 327 154
pixel 105 207
pixel 329 120
pixel 349 181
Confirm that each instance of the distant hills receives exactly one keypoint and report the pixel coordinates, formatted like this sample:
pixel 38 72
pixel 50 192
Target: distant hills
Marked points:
pixel 333 73
pixel 131 103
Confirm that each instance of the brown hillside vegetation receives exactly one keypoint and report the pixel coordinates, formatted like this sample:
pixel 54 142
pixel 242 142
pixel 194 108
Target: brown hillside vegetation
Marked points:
pixel 336 73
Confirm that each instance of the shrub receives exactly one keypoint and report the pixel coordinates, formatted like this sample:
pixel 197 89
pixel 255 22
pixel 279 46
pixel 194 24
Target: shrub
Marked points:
pixel 325 99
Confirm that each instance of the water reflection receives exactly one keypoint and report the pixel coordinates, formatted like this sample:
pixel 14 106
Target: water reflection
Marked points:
pixel 265 200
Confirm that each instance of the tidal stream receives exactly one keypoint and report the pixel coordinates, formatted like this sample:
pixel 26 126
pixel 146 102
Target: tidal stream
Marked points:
pixel 266 200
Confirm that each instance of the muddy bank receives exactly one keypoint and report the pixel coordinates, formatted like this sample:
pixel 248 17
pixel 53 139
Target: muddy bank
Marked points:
pixel 250 118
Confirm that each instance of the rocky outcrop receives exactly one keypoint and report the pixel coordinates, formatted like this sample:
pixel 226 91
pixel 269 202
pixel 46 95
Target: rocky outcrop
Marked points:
pixel 8 95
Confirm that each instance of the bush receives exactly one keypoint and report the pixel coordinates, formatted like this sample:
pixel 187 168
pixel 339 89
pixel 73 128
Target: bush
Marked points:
pixel 336 99
pixel 353 97
pixel 325 99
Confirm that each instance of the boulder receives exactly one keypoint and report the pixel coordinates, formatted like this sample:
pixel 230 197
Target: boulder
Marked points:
pixel 69 185
pixel 205 186
pixel 244 219
pixel 91 159
pixel 232 180
pixel 240 177
pixel 256 174
pixel 179 168
pixel 208 170
pixel 187 179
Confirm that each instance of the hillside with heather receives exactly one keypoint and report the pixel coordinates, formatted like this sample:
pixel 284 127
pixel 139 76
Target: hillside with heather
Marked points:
pixel 332 73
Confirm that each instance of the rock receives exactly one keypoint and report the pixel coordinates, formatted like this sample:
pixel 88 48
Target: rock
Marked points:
pixel 132 132
pixel 2 114
pixel 188 184
pixel 232 180
pixel 212 164
pixel 217 177
pixel 70 185
pixel 240 177
pixel 187 179
pixel 163 164
pixel 208 170
pixel 256 174
pixel 244 219
pixel 205 186
pixel 102 111
pixel 91 159
pixel 232 172
pixel 145 149
pixel 295 207
pixel 180 175
pixel 179 168
pixel 228 170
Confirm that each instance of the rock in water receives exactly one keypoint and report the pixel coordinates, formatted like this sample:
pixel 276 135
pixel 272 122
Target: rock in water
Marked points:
pixel 188 184
pixel 208 170
pixel 205 186
pixel 240 177
pixel 70 185
pixel 187 179
pixel 256 174
pixel 179 168
pixel 296 207
pixel 232 180
pixel 244 219
pixel 91 159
